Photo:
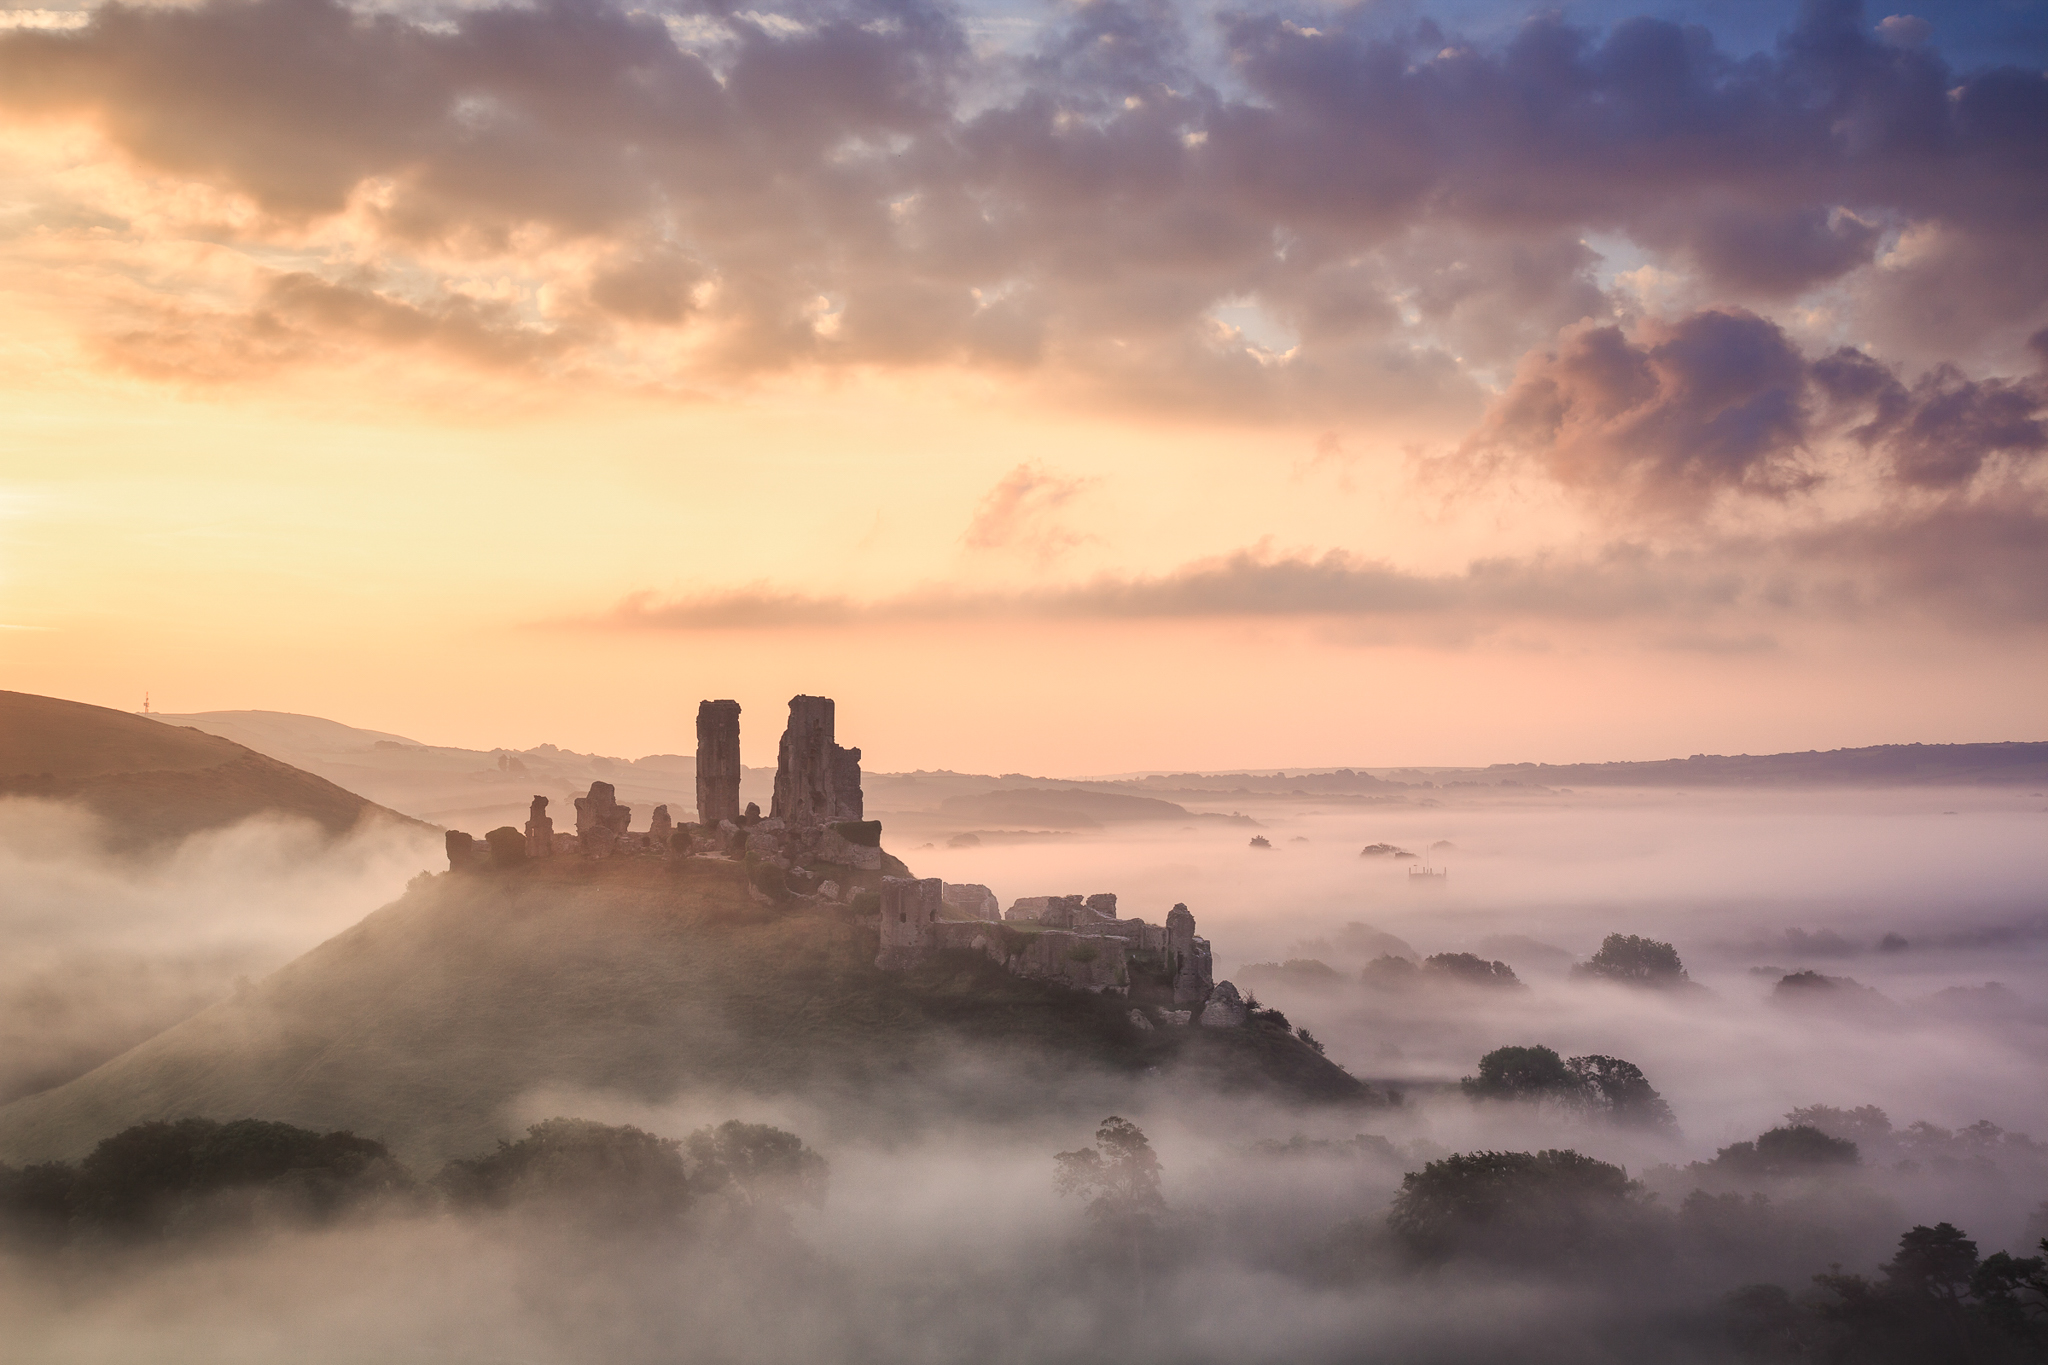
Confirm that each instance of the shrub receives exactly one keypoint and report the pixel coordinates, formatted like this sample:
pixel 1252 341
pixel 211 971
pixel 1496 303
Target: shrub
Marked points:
pixel 866 903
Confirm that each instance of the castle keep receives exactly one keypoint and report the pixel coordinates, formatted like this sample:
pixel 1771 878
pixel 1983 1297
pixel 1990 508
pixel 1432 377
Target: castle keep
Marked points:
pixel 815 845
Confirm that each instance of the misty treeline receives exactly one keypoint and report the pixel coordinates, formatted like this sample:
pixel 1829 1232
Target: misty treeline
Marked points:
pixel 194 1177
pixel 1748 1263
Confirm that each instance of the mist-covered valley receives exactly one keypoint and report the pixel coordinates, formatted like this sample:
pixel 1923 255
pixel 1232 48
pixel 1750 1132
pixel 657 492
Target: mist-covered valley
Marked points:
pixel 1263 1233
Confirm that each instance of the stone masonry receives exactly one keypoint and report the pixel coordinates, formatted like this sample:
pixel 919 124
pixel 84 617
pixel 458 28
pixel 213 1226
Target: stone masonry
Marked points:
pixel 600 821
pixel 910 906
pixel 718 761
pixel 816 781
pixel 540 830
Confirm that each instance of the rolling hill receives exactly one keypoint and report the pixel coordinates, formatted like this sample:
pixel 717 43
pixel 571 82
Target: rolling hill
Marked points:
pixel 426 1023
pixel 154 783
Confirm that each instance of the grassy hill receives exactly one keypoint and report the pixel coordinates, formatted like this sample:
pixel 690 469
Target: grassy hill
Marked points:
pixel 154 782
pixel 424 1023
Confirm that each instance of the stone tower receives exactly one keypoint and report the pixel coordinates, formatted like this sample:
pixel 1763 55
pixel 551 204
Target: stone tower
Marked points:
pixel 815 779
pixel 718 761
pixel 540 830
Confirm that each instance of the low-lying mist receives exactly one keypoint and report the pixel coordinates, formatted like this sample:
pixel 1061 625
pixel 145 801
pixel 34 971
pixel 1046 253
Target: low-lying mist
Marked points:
pixel 948 1241
pixel 105 949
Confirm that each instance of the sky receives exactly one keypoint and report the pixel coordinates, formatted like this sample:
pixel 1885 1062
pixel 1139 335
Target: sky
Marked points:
pixel 1075 388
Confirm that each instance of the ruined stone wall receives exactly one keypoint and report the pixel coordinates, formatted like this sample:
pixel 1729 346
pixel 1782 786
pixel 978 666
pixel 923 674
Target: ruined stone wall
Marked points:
pixel 847 801
pixel 601 821
pixel 910 906
pixel 816 781
pixel 971 900
pixel 540 830
pixel 1089 962
pixel 718 761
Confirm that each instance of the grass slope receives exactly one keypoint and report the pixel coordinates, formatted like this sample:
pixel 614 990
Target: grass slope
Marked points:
pixel 154 782
pixel 423 1023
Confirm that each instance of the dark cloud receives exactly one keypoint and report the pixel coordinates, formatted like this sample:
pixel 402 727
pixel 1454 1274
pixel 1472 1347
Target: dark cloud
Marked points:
pixel 1723 401
pixel 1388 197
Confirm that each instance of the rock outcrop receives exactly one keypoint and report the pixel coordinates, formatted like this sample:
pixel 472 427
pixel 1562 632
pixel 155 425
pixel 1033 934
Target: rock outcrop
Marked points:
pixel 540 830
pixel 660 829
pixel 1225 1008
pixel 718 761
pixel 816 781
pixel 600 821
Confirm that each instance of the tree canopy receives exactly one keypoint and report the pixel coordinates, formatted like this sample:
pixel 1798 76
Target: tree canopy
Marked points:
pixel 1635 961
pixel 1549 1207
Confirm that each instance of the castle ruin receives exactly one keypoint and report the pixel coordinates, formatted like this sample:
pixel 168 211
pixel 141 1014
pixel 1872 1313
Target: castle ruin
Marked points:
pixel 816 780
pixel 818 847
pixel 718 761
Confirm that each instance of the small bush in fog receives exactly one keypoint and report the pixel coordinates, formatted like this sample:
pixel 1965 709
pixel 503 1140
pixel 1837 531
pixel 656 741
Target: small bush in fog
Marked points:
pixel 1634 961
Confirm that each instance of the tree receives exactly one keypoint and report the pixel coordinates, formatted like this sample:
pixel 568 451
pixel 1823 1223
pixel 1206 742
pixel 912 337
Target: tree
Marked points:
pixel 1466 969
pixel 593 1172
pixel 1550 1207
pixel 142 1177
pixel 1119 1176
pixel 1523 1073
pixel 1621 1092
pixel 756 1165
pixel 1389 972
pixel 1635 961
pixel 1787 1151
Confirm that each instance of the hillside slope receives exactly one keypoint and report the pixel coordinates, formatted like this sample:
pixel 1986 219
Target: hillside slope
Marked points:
pixel 423 1024
pixel 153 782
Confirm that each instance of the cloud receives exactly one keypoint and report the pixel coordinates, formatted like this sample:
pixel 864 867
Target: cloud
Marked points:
pixel 1412 204
pixel 1722 401
pixel 1981 566
pixel 1022 512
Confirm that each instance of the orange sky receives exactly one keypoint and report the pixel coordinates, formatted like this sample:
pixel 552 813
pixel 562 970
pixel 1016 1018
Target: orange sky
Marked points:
pixel 518 477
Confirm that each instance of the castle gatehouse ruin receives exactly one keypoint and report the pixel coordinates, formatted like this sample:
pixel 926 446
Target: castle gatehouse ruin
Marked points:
pixel 815 845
